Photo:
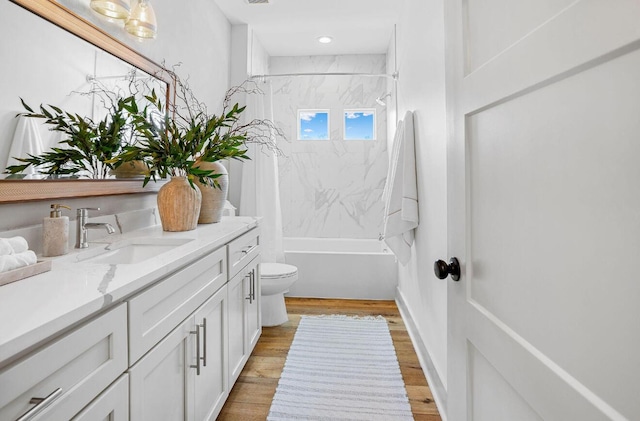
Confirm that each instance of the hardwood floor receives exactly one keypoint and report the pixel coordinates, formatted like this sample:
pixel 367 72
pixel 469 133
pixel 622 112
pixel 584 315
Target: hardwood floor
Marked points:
pixel 250 398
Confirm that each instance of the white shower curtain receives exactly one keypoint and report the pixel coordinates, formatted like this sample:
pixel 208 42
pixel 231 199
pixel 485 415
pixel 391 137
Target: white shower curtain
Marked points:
pixel 260 191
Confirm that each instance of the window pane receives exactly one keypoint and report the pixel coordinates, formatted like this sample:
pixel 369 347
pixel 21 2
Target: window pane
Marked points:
pixel 313 125
pixel 359 124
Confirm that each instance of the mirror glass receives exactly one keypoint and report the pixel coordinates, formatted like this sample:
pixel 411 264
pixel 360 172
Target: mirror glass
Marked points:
pixel 45 64
pixel 51 66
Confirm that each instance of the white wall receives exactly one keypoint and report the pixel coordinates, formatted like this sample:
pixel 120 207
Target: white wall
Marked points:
pixel 195 33
pixel 421 88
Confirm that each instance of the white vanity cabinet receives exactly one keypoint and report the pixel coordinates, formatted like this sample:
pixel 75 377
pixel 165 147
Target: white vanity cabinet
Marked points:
pixel 184 377
pixel 181 325
pixel 168 350
pixel 245 325
pixel 57 381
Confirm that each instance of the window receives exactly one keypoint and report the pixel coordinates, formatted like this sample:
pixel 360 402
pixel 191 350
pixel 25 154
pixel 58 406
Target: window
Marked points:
pixel 360 124
pixel 313 124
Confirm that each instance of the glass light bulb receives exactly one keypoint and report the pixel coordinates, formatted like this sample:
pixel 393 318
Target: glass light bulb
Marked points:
pixel 142 21
pixel 116 9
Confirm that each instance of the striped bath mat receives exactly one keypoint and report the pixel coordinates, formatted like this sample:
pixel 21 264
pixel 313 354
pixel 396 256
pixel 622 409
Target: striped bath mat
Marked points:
pixel 341 368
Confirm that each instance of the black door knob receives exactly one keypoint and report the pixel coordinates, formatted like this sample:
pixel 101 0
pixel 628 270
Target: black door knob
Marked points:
pixel 442 269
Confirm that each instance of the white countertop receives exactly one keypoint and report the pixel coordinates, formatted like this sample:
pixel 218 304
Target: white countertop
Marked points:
pixel 36 308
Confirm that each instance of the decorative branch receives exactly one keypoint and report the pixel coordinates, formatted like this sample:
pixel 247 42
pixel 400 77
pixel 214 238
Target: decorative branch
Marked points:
pixel 189 134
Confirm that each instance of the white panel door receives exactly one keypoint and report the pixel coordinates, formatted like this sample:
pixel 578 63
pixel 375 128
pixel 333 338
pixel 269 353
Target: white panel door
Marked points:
pixel 544 209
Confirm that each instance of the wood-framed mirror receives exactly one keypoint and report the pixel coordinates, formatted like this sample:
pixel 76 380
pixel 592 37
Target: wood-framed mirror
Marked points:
pixel 52 14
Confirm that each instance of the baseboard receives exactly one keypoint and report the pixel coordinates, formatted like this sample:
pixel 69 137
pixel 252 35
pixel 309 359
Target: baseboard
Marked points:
pixel 435 383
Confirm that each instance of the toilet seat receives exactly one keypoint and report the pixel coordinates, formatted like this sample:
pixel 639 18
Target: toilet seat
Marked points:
pixel 277 271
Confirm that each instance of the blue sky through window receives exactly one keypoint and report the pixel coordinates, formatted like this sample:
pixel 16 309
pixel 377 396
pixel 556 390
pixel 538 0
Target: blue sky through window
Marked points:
pixel 313 125
pixel 359 125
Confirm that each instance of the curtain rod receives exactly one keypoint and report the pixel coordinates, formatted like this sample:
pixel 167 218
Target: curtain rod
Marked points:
pixel 92 78
pixel 393 76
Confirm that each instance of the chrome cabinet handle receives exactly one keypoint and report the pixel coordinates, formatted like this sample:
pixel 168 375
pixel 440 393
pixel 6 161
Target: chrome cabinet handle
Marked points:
pixel 204 341
pixel 250 297
pixel 249 249
pixel 197 333
pixel 253 284
pixel 41 404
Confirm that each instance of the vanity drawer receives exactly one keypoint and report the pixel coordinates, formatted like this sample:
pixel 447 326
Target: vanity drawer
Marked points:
pixel 242 250
pixel 158 310
pixel 77 367
pixel 111 405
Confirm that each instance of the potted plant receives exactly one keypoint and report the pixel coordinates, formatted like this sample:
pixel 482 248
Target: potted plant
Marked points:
pixel 186 142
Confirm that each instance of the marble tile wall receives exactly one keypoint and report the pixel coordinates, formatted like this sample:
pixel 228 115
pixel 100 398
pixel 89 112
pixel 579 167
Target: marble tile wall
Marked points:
pixel 331 188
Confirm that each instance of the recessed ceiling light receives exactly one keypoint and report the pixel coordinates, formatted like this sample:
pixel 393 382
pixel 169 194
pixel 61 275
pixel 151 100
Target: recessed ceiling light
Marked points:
pixel 325 40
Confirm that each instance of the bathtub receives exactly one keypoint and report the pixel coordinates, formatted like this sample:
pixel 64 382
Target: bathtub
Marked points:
pixel 341 268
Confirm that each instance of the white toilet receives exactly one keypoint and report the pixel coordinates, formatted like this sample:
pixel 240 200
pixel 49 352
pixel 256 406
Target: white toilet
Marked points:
pixel 275 279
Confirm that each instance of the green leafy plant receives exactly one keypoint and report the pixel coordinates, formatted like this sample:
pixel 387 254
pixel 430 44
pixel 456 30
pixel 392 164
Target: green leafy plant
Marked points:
pixel 189 134
pixel 90 146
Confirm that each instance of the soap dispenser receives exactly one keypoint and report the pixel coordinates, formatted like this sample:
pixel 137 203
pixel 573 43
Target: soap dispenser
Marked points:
pixel 55 232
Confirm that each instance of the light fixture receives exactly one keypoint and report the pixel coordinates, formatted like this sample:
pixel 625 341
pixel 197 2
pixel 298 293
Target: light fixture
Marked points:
pixel 142 21
pixel 115 9
pixel 324 39
pixel 380 99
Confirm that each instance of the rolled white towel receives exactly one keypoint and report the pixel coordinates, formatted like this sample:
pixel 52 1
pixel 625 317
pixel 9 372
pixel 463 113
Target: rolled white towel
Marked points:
pixel 5 247
pixel 13 245
pixel 19 244
pixel 18 260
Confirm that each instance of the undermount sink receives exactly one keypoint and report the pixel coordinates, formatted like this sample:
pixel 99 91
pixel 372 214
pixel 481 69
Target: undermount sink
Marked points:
pixel 130 251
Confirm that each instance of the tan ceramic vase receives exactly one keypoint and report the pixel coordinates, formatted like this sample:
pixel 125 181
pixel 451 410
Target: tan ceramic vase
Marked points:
pixel 213 198
pixel 179 205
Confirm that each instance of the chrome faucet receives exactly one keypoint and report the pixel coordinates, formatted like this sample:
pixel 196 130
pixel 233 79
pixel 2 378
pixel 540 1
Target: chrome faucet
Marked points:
pixel 83 227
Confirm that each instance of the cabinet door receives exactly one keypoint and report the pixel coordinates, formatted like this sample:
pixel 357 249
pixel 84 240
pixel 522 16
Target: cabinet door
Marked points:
pixel 161 382
pixel 253 315
pixel 111 405
pixel 244 317
pixel 236 317
pixel 212 383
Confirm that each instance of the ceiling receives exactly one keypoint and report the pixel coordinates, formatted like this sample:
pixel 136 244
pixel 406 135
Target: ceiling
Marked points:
pixel 291 27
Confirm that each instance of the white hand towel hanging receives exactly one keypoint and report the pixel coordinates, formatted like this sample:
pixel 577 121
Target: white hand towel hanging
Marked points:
pixel 401 192
pixel 26 141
